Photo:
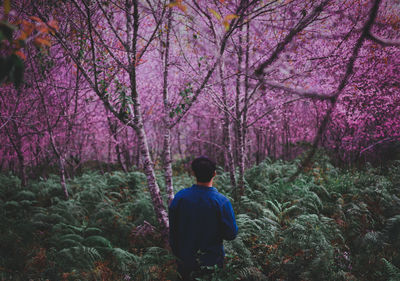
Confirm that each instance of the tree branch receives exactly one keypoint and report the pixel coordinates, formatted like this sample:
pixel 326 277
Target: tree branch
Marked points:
pixel 281 45
pixel 349 70
pixel 299 91
pixel 382 41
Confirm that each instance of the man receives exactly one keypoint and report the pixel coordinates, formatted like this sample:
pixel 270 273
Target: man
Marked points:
pixel 200 218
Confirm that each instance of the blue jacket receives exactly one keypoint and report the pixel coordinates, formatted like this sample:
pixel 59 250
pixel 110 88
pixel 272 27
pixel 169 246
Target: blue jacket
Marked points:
pixel 199 219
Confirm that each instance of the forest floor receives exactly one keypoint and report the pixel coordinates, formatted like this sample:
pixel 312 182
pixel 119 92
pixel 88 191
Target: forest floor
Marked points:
pixel 329 224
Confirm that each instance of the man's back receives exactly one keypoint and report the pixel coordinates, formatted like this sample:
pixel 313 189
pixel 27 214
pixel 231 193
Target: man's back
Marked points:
pixel 200 219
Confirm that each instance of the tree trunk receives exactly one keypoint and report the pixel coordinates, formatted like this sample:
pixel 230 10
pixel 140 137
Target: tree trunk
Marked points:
pixel 138 155
pixel 179 144
pixel 17 145
pixel 168 166
pixel 228 155
pixel 239 125
pixel 228 151
pixel 258 151
pixel 62 176
pixel 113 130
pixel 240 186
pixel 167 161
pixel 159 208
pixel 22 170
pixel 61 164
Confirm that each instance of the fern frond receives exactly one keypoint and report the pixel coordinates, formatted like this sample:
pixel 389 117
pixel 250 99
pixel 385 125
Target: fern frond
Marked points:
pixel 391 231
pixel 311 202
pixel 96 241
pixel 77 258
pixel 63 228
pixel 124 259
pixel 74 237
pixel 251 274
pixel 92 231
pixel 392 271
pixel 275 206
pixel 25 195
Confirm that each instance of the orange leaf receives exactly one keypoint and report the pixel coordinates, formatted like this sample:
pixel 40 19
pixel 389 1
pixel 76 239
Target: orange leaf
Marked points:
pixel 215 13
pixel 21 55
pixel 41 42
pixel 174 4
pixel 139 62
pixel 43 29
pixel 171 5
pixel 226 25
pixel 23 35
pixel 35 19
pixel 178 4
pixel 27 25
pixel 27 29
pixel 181 7
pixel 17 44
pixel 54 24
pixel 227 19
pixel 230 17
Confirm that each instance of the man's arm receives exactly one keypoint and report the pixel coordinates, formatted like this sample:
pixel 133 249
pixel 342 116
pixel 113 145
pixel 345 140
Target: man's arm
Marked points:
pixel 173 227
pixel 229 227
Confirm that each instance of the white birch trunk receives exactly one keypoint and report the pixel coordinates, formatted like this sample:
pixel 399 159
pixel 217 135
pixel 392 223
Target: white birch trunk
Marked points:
pixel 228 154
pixel 167 133
pixel 168 166
pixel 159 208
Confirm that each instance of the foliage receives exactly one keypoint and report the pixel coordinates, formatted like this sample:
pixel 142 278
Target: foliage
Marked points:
pixel 91 235
pixel 329 224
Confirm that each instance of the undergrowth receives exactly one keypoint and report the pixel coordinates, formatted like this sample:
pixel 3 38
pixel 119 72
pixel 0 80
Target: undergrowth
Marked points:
pixel 328 224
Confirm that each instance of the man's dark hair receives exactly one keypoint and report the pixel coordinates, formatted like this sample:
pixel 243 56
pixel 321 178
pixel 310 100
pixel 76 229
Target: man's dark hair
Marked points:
pixel 203 169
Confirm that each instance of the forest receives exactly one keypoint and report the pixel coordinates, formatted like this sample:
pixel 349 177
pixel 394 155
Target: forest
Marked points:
pixel 105 103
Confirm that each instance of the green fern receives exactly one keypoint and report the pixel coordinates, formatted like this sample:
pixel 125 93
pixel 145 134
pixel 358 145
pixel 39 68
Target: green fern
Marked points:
pixel 74 237
pixel 25 195
pixel 281 213
pixel 391 270
pixel 92 231
pixel 238 248
pixel 311 203
pixel 96 241
pixel 76 258
pixel 153 258
pixel 251 274
pixel 308 246
pixel 64 228
pixel 391 231
pixel 124 260
pixel 65 240
pixel 116 180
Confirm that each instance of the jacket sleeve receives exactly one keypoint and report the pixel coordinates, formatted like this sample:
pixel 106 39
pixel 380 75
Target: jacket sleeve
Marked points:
pixel 229 227
pixel 173 226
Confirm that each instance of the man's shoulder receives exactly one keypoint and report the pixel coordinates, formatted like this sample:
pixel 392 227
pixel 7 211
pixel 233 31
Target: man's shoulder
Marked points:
pixel 182 192
pixel 211 193
pixel 222 199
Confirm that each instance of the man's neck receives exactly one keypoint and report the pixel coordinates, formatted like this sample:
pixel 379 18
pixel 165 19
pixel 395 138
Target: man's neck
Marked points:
pixel 206 184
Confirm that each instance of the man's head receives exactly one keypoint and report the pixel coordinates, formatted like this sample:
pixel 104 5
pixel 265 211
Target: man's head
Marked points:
pixel 204 169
